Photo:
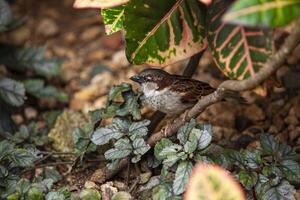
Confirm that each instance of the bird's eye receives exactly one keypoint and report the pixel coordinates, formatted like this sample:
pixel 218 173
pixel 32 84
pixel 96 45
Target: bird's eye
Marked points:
pixel 149 78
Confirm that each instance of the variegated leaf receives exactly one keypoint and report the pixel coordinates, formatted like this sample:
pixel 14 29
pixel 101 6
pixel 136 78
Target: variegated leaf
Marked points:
pixel 238 51
pixel 163 32
pixel 271 13
pixel 113 19
pixel 98 3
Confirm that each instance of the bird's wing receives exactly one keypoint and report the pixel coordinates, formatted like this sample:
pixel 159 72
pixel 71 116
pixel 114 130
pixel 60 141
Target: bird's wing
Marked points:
pixel 190 89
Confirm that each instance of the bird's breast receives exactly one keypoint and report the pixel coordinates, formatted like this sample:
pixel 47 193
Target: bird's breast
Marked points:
pixel 164 100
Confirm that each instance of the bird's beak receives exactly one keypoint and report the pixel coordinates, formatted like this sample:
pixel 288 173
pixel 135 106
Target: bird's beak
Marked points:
pixel 136 78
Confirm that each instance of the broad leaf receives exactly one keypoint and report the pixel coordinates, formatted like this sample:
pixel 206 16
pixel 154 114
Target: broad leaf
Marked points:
pixel 52 174
pixel 163 143
pixel 55 196
pixel 291 170
pixel 122 149
pixel 252 159
pixel 234 157
pixel 130 106
pixel 184 131
pixel 287 152
pixel 163 32
pixel 204 136
pixel 113 19
pixel 238 51
pixel 22 158
pixel 12 92
pixel 182 175
pixel 170 150
pixel 248 179
pixel 138 129
pixel 140 147
pixel 37 88
pixel 173 158
pixel 5 14
pixel 98 3
pixel 118 90
pixel 162 192
pixel 271 13
pixel 283 191
pixel 6 148
pixel 29 59
pixel 104 135
pixel 268 144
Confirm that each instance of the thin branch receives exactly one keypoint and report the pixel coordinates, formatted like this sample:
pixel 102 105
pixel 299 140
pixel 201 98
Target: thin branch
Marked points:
pixel 270 67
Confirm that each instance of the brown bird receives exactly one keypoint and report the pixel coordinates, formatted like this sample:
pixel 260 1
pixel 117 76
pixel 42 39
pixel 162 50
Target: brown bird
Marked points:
pixel 168 93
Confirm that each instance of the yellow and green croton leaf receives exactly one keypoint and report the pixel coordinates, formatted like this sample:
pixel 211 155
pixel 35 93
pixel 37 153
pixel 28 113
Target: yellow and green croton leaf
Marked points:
pixel 163 32
pixel 113 19
pixel 272 13
pixel 212 182
pixel 240 52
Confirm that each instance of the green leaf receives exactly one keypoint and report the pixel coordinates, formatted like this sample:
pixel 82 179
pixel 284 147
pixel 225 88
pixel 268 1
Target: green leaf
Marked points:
pixel 12 92
pixel 138 129
pixel 287 152
pixel 35 193
pixel 170 150
pixel 130 106
pixel 162 192
pixel 104 135
pixel 204 136
pixel 6 148
pixel 37 88
pixel 248 179
pixel 23 186
pixel 184 131
pixel 140 147
pixel 22 158
pixel 96 115
pixel 118 90
pixel 90 194
pixel 29 59
pixel 182 175
pixel 240 52
pixel 283 191
pixel 253 159
pixel 173 158
pixel 82 140
pixel 272 13
pixel 163 32
pixel 5 14
pixel 122 149
pixel 55 196
pixel 163 143
pixel 113 19
pixel 191 145
pixel 268 144
pixel 52 174
pixel 234 157
pixel 291 170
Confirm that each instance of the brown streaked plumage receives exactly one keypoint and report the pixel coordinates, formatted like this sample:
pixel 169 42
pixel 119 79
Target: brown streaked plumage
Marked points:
pixel 171 94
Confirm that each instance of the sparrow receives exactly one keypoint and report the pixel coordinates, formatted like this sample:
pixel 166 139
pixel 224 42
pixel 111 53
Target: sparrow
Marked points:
pixel 169 93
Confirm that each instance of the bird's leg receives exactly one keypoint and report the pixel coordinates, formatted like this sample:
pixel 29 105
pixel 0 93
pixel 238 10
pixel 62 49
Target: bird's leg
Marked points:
pixel 185 116
pixel 167 128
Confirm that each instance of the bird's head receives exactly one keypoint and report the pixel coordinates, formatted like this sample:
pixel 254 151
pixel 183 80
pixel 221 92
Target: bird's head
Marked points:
pixel 151 75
